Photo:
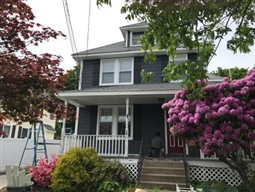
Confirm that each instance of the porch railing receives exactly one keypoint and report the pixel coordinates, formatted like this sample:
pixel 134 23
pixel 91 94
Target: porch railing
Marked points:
pixel 105 145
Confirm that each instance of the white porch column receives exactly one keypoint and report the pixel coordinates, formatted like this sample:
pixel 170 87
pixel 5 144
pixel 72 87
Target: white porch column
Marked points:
pixel 166 132
pixel 126 129
pixel 76 120
pixel 63 129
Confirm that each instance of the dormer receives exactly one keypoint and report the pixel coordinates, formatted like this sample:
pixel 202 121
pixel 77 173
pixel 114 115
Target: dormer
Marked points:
pixel 132 33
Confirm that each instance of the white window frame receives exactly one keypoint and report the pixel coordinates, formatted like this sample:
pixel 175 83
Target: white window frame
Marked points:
pixel 10 132
pixel 176 58
pixel 22 128
pixel 116 72
pixel 185 58
pixel 131 38
pixel 115 119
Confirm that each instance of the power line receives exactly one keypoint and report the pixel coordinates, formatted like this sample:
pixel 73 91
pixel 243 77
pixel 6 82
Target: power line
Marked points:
pixel 70 28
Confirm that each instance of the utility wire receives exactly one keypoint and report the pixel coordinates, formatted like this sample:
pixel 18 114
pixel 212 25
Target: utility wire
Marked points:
pixel 70 29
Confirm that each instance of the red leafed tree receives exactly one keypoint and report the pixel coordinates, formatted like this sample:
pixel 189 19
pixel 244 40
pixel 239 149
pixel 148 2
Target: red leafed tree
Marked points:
pixel 25 77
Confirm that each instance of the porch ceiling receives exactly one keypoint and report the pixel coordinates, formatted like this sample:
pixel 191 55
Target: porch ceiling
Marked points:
pixel 137 94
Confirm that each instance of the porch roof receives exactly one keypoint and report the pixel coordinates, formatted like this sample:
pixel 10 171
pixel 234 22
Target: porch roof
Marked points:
pixel 137 94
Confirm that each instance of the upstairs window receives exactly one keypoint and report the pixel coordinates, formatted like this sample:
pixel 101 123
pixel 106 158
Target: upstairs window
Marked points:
pixel 135 36
pixel 116 71
pixel 179 58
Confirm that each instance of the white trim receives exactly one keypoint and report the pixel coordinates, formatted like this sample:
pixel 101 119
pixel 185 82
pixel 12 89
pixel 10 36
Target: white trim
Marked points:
pixel 80 75
pixel 116 71
pixel 21 133
pixel 131 39
pixel 179 59
pixel 126 39
pixel 120 93
pixel 134 27
pixel 166 131
pixel 76 120
pixel 10 132
pixel 114 118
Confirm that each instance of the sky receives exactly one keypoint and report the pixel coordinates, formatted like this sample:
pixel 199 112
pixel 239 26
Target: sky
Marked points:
pixel 104 29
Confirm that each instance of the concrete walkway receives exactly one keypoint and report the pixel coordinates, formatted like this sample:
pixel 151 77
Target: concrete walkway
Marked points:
pixel 3 181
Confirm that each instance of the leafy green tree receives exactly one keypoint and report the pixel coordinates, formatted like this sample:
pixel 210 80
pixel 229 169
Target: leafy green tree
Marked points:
pixel 232 73
pixel 197 25
pixel 71 78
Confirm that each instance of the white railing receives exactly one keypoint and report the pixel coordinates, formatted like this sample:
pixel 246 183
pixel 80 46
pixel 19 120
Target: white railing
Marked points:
pixel 105 145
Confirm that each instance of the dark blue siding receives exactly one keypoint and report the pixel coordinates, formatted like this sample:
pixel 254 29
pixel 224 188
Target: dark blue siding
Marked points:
pixel 156 68
pixel 90 73
pixel 148 119
pixel 87 120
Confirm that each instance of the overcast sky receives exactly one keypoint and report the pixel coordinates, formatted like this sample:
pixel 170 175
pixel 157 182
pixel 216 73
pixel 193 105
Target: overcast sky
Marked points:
pixel 103 30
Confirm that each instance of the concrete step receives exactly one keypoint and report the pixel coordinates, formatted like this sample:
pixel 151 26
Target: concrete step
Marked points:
pixel 162 173
pixel 161 185
pixel 163 163
pixel 163 170
pixel 163 178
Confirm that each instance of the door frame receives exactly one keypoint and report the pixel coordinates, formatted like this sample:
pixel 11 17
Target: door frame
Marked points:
pixel 166 135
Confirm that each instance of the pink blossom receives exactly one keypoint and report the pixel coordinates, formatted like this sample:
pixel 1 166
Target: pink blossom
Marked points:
pixel 41 172
pixel 225 79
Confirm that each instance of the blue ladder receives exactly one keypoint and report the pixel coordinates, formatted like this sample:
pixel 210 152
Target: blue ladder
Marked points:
pixel 36 143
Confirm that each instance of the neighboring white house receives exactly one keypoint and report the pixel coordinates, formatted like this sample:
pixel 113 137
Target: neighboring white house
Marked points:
pixel 15 130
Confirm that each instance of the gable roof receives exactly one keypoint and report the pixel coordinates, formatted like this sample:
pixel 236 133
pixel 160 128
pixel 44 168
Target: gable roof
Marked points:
pixel 135 25
pixel 112 48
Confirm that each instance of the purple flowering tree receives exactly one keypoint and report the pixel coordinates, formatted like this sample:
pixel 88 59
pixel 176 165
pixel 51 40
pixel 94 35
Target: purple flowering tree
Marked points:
pixel 222 123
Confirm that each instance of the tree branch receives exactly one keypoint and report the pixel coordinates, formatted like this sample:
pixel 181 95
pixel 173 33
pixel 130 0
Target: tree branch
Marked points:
pixel 243 16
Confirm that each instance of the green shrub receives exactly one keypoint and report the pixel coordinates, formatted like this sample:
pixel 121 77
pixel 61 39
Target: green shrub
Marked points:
pixel 80 169
pixel 110 172
pixel 73 171
pixel 215 186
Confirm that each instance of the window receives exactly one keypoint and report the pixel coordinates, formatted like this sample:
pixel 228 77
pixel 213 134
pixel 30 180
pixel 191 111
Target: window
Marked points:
pixel 24 132
pixel 7 130
pixel 116 71
pixel 179 58
pixel 112 120
pixel 135 38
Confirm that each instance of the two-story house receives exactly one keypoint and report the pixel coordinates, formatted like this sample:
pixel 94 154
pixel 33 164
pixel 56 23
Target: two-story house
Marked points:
pixel 112 96
pixel 117 113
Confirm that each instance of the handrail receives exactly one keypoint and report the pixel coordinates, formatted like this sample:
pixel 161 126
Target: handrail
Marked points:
pixel 140 160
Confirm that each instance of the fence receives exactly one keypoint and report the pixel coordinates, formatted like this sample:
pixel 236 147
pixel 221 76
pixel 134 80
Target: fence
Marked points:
pixel 11 150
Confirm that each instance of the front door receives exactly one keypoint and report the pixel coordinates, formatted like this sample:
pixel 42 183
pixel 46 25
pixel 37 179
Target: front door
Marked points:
pixel 175 144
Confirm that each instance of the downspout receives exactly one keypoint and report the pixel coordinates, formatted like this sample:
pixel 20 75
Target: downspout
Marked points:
pixel 126 129
pixel 63 131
